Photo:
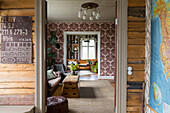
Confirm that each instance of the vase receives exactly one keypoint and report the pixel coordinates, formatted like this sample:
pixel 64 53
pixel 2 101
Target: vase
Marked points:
pixel 73 72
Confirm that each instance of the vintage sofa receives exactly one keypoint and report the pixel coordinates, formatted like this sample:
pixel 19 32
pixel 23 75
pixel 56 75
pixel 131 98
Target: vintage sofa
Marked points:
pixel 54 83
pixel 83 64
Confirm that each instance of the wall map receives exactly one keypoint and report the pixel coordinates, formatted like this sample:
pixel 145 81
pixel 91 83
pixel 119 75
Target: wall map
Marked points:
pixel 16 39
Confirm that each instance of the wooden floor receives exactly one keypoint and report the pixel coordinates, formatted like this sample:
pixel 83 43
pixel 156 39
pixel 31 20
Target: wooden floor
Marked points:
pixel 87 75
pixel 84 75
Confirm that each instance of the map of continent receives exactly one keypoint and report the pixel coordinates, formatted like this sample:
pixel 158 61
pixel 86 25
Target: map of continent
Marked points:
pixel 164 15
pixel 159 95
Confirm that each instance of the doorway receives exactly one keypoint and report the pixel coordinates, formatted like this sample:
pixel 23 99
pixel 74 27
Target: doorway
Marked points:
pixel 120 79
pixel 97 55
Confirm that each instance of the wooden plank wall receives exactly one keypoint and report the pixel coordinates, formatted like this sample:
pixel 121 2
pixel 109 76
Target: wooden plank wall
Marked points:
pixel 136 55
pixel 17 81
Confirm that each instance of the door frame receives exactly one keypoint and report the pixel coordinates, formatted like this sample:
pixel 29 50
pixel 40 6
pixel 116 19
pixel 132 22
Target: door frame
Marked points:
pixel 122 44
pixel 40 56
pixel 82 33
pixel 40 50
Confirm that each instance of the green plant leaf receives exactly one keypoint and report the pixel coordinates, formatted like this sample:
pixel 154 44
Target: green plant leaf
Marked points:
pixel 57 46
pixel 48 50
pixel 54 54
pixel 50 55
pixel 53 61
pixel 52 41
pixel 52 33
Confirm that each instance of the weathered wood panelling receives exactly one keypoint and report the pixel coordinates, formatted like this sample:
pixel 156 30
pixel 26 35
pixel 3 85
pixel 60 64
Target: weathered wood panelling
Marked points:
pixel 17 81
pixel 136 55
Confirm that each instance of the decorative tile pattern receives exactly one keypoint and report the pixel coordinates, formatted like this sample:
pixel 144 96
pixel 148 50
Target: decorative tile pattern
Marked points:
pixel 107 41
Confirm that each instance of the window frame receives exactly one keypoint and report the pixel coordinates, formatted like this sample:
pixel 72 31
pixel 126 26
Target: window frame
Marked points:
pixel 88 46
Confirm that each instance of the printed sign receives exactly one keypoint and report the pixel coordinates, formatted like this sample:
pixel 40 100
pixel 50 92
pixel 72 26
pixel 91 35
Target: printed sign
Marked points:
pixel 16 39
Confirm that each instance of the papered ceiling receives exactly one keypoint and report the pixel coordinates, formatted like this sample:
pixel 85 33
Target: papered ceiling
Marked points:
pixel 67 10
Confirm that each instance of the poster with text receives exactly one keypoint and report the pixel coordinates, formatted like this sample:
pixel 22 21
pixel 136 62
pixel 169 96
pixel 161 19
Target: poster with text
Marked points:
pixel 16 39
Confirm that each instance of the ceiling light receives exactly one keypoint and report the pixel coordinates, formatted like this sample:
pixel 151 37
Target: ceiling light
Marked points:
pixel 89 10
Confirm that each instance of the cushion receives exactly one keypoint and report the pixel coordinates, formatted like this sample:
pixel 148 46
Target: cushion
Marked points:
pixel 50 74
pixel 69 62
pixel 56 74
pixel 54 82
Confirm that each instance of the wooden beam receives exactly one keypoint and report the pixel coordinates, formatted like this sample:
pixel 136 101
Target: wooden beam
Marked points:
pixel 17 12
pixel 136 41
pixel 17 91
pixel 17 67
pixel 137 67
pixel 136 51
pixel 137 76
pixel 17 85
pixel 136 3
pixel 136 35
pixel 5 4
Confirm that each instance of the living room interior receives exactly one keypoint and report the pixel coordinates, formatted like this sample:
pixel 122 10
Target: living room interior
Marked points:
pixel 81 54
pixel 23 85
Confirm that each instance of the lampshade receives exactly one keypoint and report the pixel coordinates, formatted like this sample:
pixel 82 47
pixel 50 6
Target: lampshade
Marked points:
pixel 89 10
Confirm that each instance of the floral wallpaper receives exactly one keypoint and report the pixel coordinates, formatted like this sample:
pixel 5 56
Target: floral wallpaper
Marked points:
pixel 107 49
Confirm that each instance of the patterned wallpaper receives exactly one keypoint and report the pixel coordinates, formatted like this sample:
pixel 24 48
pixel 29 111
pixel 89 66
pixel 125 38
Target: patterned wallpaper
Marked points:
pixel 107 52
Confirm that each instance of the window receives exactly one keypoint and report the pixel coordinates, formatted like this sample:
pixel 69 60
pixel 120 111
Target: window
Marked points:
pixel 88 50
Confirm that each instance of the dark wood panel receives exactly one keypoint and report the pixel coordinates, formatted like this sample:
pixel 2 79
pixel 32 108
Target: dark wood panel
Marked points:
pixel 136 35
pixel 137 67
pixel 136 51
pixel 137 76
pixel 134 99
pixel 136 55
pixel 17 12
pixel 15 4
pixel 18 80
pixel 133 109
pixel 136 41
pixel 136 60
pixel 136 3
pixel 135 19
pixel 136 26
pixel 137 12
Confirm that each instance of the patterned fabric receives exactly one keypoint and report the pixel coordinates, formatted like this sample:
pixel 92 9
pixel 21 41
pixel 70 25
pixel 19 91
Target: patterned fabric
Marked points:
pixel 107 41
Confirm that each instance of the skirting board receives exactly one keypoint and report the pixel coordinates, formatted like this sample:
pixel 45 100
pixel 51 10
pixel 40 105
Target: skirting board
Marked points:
pixel 106 77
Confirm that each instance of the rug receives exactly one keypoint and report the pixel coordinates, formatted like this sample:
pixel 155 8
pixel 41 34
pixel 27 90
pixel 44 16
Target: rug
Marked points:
pixel 95 97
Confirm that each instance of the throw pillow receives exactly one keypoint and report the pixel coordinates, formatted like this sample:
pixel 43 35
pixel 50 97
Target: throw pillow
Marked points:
pixel 69 62
pixel 50 74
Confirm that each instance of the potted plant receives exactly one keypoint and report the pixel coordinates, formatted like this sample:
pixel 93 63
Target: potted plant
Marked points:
pixel 51 43
pixel 73 68
pixel 95 68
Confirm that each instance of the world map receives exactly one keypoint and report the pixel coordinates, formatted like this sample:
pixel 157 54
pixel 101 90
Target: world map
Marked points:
pixel 162 11
pixel 160 56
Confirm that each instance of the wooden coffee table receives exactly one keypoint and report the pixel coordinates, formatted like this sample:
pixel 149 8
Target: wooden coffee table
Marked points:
pixel 70 86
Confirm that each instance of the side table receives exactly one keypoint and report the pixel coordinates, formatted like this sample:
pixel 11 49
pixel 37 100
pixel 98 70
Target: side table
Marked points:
pixel 70 86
